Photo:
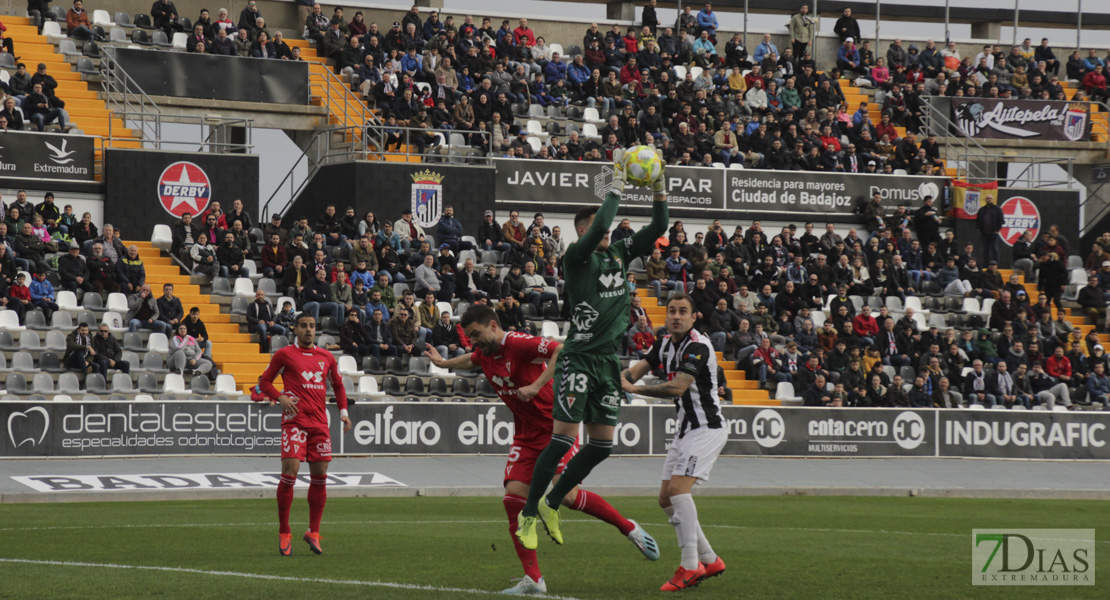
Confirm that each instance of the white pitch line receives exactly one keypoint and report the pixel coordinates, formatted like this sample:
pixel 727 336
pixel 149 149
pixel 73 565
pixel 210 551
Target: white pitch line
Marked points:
pixel 484 522
pixel 351 582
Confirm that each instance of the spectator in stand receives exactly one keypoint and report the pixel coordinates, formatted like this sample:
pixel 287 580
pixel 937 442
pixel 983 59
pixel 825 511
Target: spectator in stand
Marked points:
pixel 131 273
pixel 187 353
pixel 41 112
pixel 142 312
pixel 449 231
pixel 405 333
pixel 707 21
pixel 202 255
pixel 106 353
pixel 262 319
pixel 71 269
pixel 170 311
pixel 1092 299
pixel 408 230
pixel 802 27
pixel 316 297
pixel 274 258
pixel 78 24
pixel 198 41
pixel 42 295
pixel 163 15
pixel 249 16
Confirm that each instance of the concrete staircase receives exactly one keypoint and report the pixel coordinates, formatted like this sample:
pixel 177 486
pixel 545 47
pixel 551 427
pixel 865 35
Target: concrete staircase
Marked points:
pixel 232 349
pixel 88 112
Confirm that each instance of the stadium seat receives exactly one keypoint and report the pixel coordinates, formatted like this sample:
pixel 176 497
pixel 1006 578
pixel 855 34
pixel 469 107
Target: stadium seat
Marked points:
pixel 50 362
pixel 144 398
pixel 162 237
pixel 329 325
pixel 391 385
pixel 419 365
pixel 117 302
pixel 118 35
pixel 348 366
pixel 35 320
pixel 557 49
pixel 92 303
pixel 61 320
pixel 368 387
pixel 69 384
pixel 23 362
pixel 148 382
pixel 153 363
pixel 114 321
pixel 133 341
pixel 244 287
pixel 225 385
pixel 9 321
pixel 179 40
pixel 68 48
pixel 158 342
pixel 174 384
pixel 372 365
pixel 133 360
pixel 278 342
pixel 221 286
pixel 51 29
pixel 95 384
pixel 394 366
pixel 239 304
pixel 270 287
pixel 16 383
pixel 201 385
pixel 42 383
pixel 1076 262
pixel 121 382
pixel 102 17
pixel 4 364
pixel 549 330
pixel 437 386
pixel 67 301
pixel 461 387
pixel 30 341
pixel 415 386
pixel 483 388
pixel 591 116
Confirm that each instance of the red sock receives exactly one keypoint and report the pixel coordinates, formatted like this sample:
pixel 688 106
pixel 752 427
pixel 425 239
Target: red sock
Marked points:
pixel 284 500
pixel 513 506
pixel 317 498
pixel 597 507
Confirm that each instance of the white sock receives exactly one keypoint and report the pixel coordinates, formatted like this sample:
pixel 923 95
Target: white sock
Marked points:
pixel 705 551
pixel 685 521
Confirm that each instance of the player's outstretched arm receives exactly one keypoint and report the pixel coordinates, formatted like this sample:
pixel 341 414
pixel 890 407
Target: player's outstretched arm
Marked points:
pixel 340 394
pixel 670 389
pixel 459 362
pixel 643 240
pixel 529 391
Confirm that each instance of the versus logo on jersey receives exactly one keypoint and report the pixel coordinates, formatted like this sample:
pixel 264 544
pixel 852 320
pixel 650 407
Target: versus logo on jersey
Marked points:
pixel 184 187
pixel 611 281
pixel 313 377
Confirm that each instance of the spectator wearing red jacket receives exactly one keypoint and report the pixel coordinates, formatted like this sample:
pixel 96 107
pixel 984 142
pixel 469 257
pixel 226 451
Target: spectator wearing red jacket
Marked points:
pixel 640 338
pixel 1095 84
pixel 1057 365
pixel 865 326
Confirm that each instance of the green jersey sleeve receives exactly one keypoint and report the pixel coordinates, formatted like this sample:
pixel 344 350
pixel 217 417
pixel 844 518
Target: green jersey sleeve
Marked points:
pixel 642 242
pixel 580 251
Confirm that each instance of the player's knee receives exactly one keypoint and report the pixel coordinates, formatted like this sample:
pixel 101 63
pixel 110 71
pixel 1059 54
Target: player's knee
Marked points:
pixel 675 488
pixel 664 499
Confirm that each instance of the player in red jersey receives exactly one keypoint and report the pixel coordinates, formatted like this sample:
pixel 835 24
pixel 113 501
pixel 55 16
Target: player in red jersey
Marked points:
pixel 304 425
pixel 519 367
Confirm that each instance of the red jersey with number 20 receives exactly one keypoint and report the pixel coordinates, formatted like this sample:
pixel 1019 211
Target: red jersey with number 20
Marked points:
pixel 520 361
pixel 303 373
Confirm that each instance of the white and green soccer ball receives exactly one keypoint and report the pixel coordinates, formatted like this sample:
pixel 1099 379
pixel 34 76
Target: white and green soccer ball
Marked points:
pixel 642 165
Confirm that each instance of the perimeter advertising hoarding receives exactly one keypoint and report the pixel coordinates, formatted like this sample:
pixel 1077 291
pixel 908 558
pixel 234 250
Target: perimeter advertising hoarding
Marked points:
pixel 566 183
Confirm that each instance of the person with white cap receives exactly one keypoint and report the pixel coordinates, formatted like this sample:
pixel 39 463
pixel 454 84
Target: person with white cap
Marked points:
pixel 847 57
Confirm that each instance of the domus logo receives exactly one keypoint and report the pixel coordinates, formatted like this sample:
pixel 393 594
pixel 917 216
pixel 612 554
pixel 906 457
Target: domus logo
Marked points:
pixel 906 193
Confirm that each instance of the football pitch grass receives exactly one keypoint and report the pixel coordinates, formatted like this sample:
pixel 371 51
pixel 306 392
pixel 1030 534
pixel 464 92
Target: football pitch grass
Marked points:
pixel 439 548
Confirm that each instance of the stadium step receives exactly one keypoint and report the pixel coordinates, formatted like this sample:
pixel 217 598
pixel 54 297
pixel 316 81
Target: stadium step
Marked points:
pixel 88 112
pixel 232 349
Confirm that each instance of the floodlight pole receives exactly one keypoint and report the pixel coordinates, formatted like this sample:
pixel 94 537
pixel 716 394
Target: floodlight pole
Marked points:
pixel 1016 18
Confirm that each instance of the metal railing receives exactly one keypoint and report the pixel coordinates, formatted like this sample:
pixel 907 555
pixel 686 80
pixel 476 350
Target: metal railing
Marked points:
pixel 338 144
pixel 126 98
pixel 347 107
pixel 973 162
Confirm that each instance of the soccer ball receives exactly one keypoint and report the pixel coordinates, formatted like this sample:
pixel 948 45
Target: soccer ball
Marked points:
pixel 642 165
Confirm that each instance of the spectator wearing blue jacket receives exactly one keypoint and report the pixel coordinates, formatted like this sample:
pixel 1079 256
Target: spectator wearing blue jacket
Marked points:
pixel 432 26
pixel 555 70
pixel 1098 385
pixel 707 21
pixel 577 74
pixel 42 295
pixel 412 63
pixel 1092 61
pixel 677 267
pixel 763 49
pixel 389 238
pixel 847 57
pixel 449 231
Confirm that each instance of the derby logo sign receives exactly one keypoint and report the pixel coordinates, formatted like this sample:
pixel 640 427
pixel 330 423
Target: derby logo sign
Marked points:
pixel 184 187
pixel 1019 215
pixel 427 197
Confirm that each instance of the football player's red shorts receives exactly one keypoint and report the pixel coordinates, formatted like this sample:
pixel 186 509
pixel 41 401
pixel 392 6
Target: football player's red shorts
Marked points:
pixel 522 461
pixel 306 444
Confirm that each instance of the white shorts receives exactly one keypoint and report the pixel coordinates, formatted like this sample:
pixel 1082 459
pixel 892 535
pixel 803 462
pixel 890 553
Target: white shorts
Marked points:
pixel 693 455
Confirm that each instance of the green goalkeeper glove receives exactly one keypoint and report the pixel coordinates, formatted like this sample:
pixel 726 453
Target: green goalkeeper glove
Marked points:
pixel 660 185
pixel 620 176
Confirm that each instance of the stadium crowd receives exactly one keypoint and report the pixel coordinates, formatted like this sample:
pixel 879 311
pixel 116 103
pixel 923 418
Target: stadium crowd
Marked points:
pixel 761 296
pixel 700 98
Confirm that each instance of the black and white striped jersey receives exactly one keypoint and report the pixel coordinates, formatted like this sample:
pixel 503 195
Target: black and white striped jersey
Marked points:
pixel 693 355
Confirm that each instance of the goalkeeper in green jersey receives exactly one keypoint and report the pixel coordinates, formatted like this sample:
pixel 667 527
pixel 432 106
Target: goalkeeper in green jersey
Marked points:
pixel 587 376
